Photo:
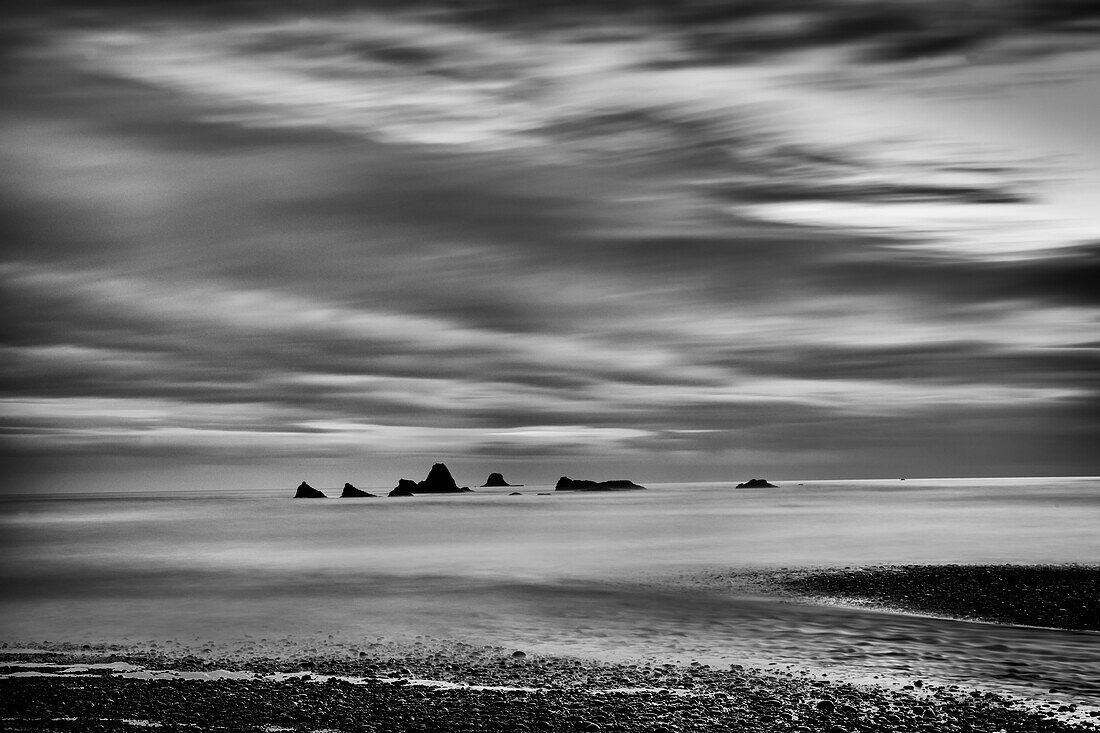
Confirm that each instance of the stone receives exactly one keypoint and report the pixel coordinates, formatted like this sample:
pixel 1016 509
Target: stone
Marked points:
pixel 757 483
pixel 567 484
pixel 305 491
pixel 352 492
pixel 496 479
pixel 515 493
pixel 439 481
pixel 404 487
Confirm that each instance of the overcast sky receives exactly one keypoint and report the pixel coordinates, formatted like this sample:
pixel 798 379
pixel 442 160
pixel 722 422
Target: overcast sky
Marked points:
pixel 818 238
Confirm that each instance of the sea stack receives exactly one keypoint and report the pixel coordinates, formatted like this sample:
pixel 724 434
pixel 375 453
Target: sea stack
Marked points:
pixel 350 492
pixel 439 481
pixel 404 488
pixel 568 484
pixel 305 491
pixel 496 479
pixel 757 483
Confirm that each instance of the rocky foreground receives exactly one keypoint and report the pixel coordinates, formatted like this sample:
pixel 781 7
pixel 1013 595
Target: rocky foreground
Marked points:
pixel 468 689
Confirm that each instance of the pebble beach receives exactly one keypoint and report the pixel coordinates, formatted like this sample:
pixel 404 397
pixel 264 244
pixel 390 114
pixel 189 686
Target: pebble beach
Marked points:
pixel 479 690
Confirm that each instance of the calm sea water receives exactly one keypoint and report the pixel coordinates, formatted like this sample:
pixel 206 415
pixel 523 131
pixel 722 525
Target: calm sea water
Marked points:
pixel 610 575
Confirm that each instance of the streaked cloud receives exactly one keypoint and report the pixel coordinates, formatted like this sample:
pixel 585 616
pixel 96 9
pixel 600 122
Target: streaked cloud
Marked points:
pixel 749 232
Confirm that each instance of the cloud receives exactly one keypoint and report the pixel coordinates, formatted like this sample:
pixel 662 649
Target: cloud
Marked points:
pixel 364 233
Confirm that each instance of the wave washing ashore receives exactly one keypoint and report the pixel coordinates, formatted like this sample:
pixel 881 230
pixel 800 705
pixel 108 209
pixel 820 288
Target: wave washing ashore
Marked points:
pixel 679 608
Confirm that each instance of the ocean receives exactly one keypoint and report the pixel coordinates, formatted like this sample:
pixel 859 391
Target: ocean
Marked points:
pixel 636 575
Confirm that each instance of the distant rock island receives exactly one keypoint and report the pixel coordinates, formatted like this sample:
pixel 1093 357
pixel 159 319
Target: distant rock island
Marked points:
pixel 305 491
pixel 568 484
pixel 757 483
pixel 439 481
pixel 352 492
pixel 496 479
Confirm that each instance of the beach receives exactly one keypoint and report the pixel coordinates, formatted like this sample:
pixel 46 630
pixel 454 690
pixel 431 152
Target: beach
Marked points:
pixel 674 608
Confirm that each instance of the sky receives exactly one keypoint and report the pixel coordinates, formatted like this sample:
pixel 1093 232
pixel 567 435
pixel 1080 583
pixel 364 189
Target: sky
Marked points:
pixel 249 244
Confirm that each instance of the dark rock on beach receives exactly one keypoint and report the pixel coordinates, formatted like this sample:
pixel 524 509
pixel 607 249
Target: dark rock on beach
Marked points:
pixel 305 491
pixel 567 484
pixel 757 483
pixel 439 481
pixel 1056 596
pixel 496 479
pixel 352 492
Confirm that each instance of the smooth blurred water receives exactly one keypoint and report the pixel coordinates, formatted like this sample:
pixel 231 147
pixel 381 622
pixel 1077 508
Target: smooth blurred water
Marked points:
pixel 602 574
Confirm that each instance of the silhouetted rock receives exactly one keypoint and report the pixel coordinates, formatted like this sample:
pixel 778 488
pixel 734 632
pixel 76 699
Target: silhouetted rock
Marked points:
pixel 404 488
pixel 439 481
pixel 567 484
pixel 305 491
pixel 496 479
pixel 757 483
pixel 350 492
pixel 515 493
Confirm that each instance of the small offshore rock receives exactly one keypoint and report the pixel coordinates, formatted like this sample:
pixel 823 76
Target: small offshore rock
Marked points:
pixel 352 492
pixel 496 479
pixel 404 487
pixel 305 491
pixel 757 483
pixel 567 484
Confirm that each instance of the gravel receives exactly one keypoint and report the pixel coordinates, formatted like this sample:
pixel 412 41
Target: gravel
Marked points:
pixel 569 695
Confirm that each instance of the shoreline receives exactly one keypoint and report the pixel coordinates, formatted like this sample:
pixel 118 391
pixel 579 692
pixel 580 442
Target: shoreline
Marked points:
pixel 432 685
pixel 305 683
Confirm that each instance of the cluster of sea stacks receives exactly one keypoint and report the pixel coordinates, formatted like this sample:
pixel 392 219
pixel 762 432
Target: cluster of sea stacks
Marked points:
pixel 440 481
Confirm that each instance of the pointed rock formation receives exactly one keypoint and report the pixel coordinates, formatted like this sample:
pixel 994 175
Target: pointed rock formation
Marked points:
pixel 439 481
pixel 567 484
pixel 496 479
pixel 757 483
pixel 305 491
pixel 352 492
